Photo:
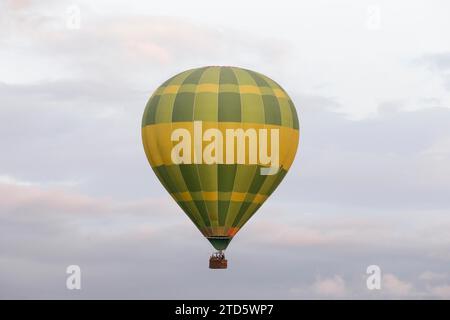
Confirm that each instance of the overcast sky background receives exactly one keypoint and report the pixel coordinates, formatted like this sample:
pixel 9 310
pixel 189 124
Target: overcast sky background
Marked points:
pixel 370 184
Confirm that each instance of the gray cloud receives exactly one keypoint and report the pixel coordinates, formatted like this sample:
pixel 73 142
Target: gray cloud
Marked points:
pixel 438 63
pixel 395 159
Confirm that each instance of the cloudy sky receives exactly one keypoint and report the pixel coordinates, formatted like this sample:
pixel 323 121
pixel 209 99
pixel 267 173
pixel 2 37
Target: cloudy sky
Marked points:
pixel 370 184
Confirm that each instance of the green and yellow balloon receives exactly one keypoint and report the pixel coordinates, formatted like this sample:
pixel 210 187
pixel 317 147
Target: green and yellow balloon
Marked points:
pixel 220 140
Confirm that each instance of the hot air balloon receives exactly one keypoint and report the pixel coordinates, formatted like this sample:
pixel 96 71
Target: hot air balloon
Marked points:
pixel 220 140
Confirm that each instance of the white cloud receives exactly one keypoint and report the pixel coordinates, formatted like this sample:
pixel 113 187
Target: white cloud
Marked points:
pixel 441 291
pixel 392 285
pixel 28 199
pixel 7 179
pixel 330 287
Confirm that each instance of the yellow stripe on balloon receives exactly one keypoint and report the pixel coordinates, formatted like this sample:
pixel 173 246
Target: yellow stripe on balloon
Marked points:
pixel 158 142
pixel 249 89
pixel 171 89
pixel 279 93
pixel 207 87
pixel 214 88
pixel 215 196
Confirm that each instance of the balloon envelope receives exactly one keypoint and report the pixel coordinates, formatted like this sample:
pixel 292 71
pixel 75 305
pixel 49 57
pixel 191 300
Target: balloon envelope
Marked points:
pixel 219 196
